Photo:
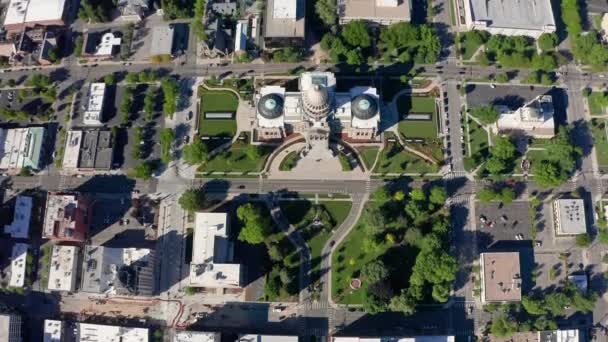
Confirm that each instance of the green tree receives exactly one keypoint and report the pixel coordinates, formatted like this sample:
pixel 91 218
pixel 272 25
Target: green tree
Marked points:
pixel 356 34
pixel 413 237
pixel 193 200
pixel 373 304
pixel 167 136
pixel 556 302
pixel 403 303
pixel 326 10
pixel 507 195
pixel 417 195
pixel 486 195
pixel 547 41
pixel 78 44
pixel 170 95
pixel 487 114
pixel 109 79
pixel 583 240
pixel 502 78
pixel 354 57
pixel 571 17
pixel 533 306
pixel 257 227
pixel 438 195
pixel 274 252
pixel 374 272
pixel 548 174
pixel 503 148
pixel 503 326
pixel 144 170
pixel 195 153
pixel 495 166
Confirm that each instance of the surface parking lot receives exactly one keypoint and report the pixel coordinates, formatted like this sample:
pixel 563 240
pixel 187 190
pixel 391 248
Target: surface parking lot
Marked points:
pixel 511 222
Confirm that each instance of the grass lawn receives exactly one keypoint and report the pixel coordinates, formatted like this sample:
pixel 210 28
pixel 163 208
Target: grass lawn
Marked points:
pixel 394 159
pixel 598 128
pixel 595 106
pixel 468 48
pixel 235 159
pixel 218 101
pixel 217 127
pixel 290 161
pixel 417 128
pixel 536 156
pixel 368 154
pixel 477 137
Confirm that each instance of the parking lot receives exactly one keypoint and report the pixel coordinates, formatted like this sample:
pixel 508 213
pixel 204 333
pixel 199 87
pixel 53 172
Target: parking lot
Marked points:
pixel 515 96
pixel 507 224
pixel 35 106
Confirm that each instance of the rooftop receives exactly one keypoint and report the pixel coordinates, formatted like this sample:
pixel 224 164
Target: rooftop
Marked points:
pixel 162 40
pixel 569 216
pixel 515 14
pixel 196 336
pixel 21 147
pixel 212 252
pixel 395 339
pixel 20 227
pixel 33 11
pixel 535 118
pixel 18 265
pixel 65 216
pixel 64 265
pixel 107 333
pixel 375 10
pixel 284 18
pixel 8 330
pixel 52 330
pixel 501 277
pixel 559 336
pixel 267 338
pixel 96 95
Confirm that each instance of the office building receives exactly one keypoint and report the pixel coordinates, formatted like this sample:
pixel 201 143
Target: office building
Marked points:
pixel 10 328
pixel 284 23
pixel 63 269
pixel 67 216
pixel 19 265
pixel 374 12
pixel 569 217
pixel 22 14
pixel 500 277
pixel 21 148
pixel 20 227
pixel 88 150
pixel 93 115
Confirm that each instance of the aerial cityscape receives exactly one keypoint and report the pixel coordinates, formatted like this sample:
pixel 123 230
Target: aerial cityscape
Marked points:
pixel 303 170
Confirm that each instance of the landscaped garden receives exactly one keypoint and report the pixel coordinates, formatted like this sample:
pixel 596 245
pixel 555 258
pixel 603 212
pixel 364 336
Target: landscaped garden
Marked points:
pixel 597 103
pixel 290 161
pixel 368 154
pixel 395 159
pixel 397 256
pixel 598 129
pixel 425 129
pixel 477 139
pixel 240 157
pixel 217 101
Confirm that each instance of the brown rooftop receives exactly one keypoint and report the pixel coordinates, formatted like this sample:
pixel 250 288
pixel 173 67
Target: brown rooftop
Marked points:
pixel 370 9
pixel 501 277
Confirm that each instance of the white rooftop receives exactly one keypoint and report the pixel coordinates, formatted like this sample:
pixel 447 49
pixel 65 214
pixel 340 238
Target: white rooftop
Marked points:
pixel 96 95
pixel 32 11
pixel 567 335
pixel 285 9
pixel 196 336
pixel 18 265
pixel 19 147
pixel 514 14
pixel 72 149
pixel 535 118
pixel 107 44
pixel 267 338
pixel 20 227
pixel 162 40
pixel 395 339
pixel 52 330
pixel 63 269
pixel 212 252
pixel 8 321
pixel 569 216
pixel 110 333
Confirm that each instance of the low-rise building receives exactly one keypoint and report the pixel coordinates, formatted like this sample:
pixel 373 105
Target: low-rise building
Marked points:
pixel 284 23
pixel 162 40
pixel 18 265
pixel 267 338
pixel 67 216
pixel 395 339
pixel 20 227
pixel 569 217
pixel 63 269
pixel 132 10
pixel 106 333
pixel 100 45
pixel 10 328
pixel 196 336
pixel 88 150
pixel 213 253
pixel 53 330
pixel 500 277
pixel 21 148
pixel 21 14
pixel 534 119
pixel 241 36
pixel 509 17
pixel 375 12
pixel 539 336
pixel 118 271
pixel 93 115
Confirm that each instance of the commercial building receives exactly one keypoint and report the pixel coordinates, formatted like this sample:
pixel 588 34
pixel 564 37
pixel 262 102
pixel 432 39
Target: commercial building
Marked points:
pixel 100 45
pixel 500 277
pixel 21 148
pixel 213 253
pixel 375 12
pixel 196 336
pixel 10 328
pixel 240 38
pixel 21 14
pixel 162 40
pixel 93 115
pixel 66 216
pixel 395 339
pixel 539 336
pixel 284 23
pixel 63 269
pixel 267 338
pixel 509 17
pixel 102 333
pixel 534 119
pixel 118 271
pixel 88 150
pixel 53 330
pixel 20 227
pixel 569 217
pixel 317 110
pixel 18 265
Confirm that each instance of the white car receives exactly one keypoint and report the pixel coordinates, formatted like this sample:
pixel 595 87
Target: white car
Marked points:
pixel 278 309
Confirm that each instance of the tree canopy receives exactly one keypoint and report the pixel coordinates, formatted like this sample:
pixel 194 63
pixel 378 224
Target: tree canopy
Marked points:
pixel 356 33
pixel 327 12
pixel 487 114
pixel 195 153
pixel 256 225
pixel 170 95
pixel 192 200
pixel 406 42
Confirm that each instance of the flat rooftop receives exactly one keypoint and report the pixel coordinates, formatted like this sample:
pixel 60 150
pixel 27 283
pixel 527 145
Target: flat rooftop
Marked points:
pixel 559 336
pixel 514 14
pixel 162 40
pixel 375 9
pixel 20 227
pixel 395 339
pixel 196 336
pixel 569 216
pixel 267 338
pixel 18 265
pixel 21 147
pixel 33 11
pixel 52 330
pixel 501 277
pixel 280 21
pixel 5 326
pixel 98 332
pixel 63 269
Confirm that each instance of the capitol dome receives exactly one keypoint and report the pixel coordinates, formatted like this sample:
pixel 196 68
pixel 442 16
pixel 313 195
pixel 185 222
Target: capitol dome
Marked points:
pixel 316 102
pixel 364 107
pixel 270 106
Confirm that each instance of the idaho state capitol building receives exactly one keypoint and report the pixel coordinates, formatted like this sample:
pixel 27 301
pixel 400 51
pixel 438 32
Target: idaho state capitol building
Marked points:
pixel 317 111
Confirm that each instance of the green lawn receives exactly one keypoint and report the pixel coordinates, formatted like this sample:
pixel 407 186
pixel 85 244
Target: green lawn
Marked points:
pixel 598 128
pixel 235 159
pixel 417 128
pixel 290 161
pixel 468 48
pixel 394 159
pixel 217 101
pixel 479 144
pixel 368 154
pixel 217 127
pixel 595 106
pixel 536 156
